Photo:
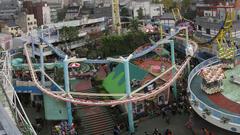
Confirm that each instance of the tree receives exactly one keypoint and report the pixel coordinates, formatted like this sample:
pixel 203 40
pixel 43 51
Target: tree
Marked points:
pixel 124 12
pixel 61 14
pixel 156 1
pixel 59 76
pixel 168 4
pixel 113 45
pixel 134 25
pixel 140 13
pixel 68 33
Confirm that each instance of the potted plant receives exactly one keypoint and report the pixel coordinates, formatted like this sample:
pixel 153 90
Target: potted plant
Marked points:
pixel 224 120
pixel 195 103
pixel 206 111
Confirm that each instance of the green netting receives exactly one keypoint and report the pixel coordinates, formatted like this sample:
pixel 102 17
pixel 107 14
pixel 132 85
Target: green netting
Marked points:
pixel 115 81
pixel 54 109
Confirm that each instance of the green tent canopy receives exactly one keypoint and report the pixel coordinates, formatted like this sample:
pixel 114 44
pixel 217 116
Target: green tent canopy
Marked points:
pixel 54 109
pixel 115 81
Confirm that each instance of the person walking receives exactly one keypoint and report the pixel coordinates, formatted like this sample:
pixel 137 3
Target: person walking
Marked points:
pixel 167 119
pixel 155 132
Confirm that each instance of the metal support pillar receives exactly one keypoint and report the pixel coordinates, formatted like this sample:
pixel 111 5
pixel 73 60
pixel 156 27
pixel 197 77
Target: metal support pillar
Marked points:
pixel 173 70
pixel 33 47
pixel 128 92
pixel 188 68
pixel 49 34
pixel 187 37
pixel 161 31
pixel 67 89
pixel 42 31
pixel 42 65
pixel 187 43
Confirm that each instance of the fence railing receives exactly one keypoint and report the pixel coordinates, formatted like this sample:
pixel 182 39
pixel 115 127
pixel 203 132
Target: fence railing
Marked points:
pixel 18 112
pixel 202 105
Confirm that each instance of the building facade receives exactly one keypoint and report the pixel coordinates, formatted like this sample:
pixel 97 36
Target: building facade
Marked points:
pixel 6 41
pixel 210 18
pixel 72 13
pixel 148 9
pixel 46 14
pixel 27 22
pixel 41 11
pixel 54 9
pixel 12 28
pixel 8 9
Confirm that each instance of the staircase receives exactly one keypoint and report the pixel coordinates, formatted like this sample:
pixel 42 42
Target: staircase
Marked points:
pixel 96 121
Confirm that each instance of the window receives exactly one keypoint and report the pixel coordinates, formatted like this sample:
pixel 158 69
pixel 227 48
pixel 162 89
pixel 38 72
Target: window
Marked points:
pixel 208 31
pixel 30 29
pixel 35 22
pixel 199 27
pixel 28 18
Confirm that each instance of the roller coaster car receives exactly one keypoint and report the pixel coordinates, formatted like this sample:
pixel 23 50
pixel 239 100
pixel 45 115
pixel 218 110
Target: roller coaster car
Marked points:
pixel 189 51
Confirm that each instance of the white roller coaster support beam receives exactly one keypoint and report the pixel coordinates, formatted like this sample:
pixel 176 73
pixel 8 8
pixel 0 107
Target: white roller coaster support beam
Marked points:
pixel 25 119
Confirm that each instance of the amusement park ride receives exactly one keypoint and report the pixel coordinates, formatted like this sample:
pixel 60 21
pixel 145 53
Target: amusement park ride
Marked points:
pixel 131 96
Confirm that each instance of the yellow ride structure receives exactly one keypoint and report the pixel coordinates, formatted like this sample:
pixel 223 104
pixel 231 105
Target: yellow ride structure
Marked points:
pixel 176 14
pixel 116 17
pixel 225 43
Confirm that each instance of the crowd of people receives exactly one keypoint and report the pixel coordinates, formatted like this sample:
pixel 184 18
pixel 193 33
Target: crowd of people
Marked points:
pixel 157 132
pixel 64 129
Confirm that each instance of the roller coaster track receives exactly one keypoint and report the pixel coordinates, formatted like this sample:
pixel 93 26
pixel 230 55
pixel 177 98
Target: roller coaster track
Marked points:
pixel 61 54
pixel 134 98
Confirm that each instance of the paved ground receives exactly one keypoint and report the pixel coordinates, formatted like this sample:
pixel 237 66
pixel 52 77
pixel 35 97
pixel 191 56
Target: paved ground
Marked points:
pixel 177 125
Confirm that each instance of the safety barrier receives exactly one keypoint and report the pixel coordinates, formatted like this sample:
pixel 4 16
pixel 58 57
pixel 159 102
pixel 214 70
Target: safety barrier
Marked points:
pixel 14 103
pixel 217 114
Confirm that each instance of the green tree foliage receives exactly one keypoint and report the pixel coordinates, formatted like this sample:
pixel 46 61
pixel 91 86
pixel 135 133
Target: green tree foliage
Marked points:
pixel 124 12
pixel 113 45
pixel 61 14
pixel 140 13
pixel 168 4
pixel 59 76
pixel 156 1
pixel 190 14
pixel 134 25
pixel 68 33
